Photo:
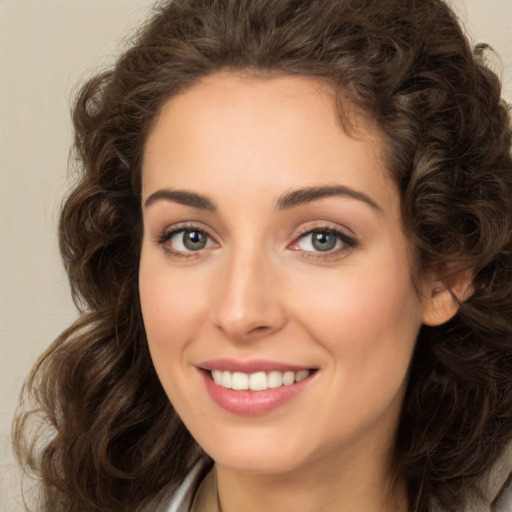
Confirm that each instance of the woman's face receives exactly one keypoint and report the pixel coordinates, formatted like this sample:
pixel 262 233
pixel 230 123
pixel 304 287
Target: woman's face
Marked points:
pixel 274 258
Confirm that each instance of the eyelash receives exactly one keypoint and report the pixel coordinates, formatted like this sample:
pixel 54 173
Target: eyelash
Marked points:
pixel 167 235
pixel 347 243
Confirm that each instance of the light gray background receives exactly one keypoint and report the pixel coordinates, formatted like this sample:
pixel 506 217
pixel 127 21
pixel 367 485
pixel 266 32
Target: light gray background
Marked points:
pixel 46 48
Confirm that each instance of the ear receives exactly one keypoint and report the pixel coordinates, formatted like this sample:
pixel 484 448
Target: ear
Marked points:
pixel 443 296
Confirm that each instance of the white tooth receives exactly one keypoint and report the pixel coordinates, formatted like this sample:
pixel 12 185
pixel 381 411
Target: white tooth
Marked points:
pixel 226 379
pixel 258 381
pixel 288 378
pixel 240 381
pixel 217 376
pixel 275 379
pixel 301 375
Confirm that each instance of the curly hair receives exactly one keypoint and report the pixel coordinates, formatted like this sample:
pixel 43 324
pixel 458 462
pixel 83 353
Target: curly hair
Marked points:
pixel 108 438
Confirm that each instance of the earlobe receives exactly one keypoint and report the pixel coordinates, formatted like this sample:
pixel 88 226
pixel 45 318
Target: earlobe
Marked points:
pixel 443 297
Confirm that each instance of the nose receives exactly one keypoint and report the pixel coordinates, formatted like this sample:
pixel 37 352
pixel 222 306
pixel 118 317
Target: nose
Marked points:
pixel 246 305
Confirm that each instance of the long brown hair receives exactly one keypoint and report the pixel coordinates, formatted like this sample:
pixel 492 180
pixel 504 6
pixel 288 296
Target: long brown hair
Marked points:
pixel 107 438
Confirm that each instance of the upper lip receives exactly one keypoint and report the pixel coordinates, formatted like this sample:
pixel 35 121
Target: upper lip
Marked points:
pixel 251 366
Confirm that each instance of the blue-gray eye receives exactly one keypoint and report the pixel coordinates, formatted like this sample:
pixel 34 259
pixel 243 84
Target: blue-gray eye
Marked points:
pixel 320 240
pixel 189 240
pixel 323 241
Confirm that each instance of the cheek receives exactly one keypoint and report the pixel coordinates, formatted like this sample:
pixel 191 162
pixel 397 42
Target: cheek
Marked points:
pixel 368 327
pixel 171 303
pixel 172 307
pixel 372 316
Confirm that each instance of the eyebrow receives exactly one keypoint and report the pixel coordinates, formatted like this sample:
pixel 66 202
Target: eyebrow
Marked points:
pixel 182 197
pixel 306 195
pixel 286 201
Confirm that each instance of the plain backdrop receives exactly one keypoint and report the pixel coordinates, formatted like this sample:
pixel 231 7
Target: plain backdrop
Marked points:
pixel 46 48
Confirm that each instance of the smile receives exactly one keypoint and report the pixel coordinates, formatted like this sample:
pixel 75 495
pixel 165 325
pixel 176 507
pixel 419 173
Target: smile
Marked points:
pixel 259 381
pixel 254 387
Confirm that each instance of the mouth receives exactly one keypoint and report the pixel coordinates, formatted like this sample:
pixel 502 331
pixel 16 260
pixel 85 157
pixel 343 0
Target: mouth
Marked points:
pixel 257 381
pixel 254 387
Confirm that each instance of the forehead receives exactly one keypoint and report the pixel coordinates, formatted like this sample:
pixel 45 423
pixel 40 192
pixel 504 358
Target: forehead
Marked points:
pixel 238 127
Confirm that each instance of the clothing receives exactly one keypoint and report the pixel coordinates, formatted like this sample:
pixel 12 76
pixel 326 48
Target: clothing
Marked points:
pixel 497 486
pixel 496 489
pixel 183 498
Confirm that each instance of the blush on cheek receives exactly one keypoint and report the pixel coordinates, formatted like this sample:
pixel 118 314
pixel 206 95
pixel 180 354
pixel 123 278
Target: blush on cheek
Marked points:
pixel 365 315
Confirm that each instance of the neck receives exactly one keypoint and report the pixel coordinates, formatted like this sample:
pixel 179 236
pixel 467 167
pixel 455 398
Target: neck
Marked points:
pixel 351 485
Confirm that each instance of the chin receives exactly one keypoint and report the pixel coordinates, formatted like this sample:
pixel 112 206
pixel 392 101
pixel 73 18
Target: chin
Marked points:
pixel 260 464
pixel 261 453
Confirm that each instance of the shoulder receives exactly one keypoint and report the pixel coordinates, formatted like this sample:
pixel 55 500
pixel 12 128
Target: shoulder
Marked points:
pixel 181 498
pixel 497 487
pixel 504 500
pixel 494 492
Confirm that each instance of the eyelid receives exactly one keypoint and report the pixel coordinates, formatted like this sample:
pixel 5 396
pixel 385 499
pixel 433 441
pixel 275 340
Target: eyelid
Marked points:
pixel 349 242
pixel 310 227
pixel 163 236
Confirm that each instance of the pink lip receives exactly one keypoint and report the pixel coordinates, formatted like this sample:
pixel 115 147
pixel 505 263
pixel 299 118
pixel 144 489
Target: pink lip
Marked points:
pixel 252 366
pixel 251 403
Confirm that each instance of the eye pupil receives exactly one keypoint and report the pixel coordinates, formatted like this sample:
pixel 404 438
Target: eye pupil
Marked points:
pixel 194 240
pixel 323 241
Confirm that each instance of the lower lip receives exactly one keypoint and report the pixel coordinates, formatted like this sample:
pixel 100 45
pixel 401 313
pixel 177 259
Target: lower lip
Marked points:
pixel 252 403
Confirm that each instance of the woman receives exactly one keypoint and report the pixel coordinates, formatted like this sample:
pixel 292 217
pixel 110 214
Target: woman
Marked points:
pixel 291 245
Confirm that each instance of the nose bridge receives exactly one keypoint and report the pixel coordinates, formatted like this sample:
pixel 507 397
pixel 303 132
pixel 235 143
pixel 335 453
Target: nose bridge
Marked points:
pixel 247 304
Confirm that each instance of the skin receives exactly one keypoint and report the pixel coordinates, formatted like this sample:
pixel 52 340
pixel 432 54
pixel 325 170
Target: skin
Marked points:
pixel 259 289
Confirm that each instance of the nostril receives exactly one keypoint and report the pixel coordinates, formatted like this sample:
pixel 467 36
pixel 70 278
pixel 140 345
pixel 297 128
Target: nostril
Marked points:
pixel 260 328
